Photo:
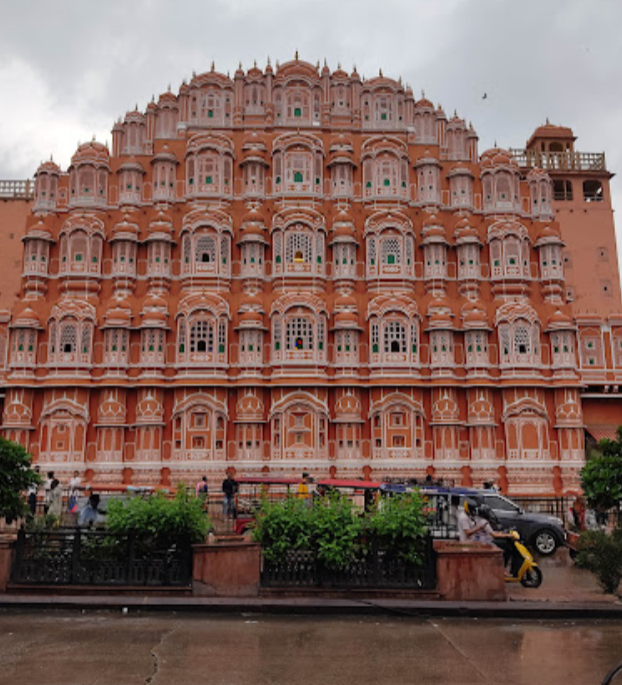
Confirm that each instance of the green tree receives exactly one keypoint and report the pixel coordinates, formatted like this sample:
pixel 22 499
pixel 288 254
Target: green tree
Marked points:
pixel 601 477
pixel 16 476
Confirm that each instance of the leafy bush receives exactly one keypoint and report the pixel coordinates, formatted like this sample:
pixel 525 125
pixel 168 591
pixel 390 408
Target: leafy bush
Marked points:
pixel 283 525
pixel 601 553
pixel 601 477
pixel 159 522
pixel 15 477
pixel 399 526
pixel 333 531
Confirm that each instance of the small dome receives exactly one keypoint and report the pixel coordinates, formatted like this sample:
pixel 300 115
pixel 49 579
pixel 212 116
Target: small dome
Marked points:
pixel 474 315
pixel 465 233
pixel 251 317
pixel 251 302
pixel 496 157
pixel 432 220
pixel 154 319
pixel 559 320
pixel 49 167
pixel 548 236
pixel 155 302
pixel 119 313
pixel 91 152
pixel 38 230
pixel 26 318
pixel 424 103
pixel 345 302
pixel 253 216
pixel 346 317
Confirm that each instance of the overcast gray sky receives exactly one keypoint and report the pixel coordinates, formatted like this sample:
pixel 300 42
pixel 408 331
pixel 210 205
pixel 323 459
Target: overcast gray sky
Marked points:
pixel 69 68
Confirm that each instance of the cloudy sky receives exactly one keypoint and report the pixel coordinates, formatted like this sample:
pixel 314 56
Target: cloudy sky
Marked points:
pixel 69 68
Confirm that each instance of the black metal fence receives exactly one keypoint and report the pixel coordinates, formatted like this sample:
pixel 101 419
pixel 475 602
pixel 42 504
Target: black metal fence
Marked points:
pixel 93 557
pixel 376 570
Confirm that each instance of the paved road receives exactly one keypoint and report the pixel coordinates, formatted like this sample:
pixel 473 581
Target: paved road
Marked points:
pixel 60 648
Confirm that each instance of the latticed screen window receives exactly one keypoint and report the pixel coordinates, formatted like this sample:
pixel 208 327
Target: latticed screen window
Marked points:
pixel 299 334
pixel 375 338
pixel 277 333
pixel 409 251
pixel 205 249
pixel 201 337
pixel 319 247
pixel 222 336
pixel 68 338
pixel 504 337
pixel 298 248
pixel 150 341
pixel 413 338
pixel 224 249
pixel 187 249
pixel 394 337
pixel 320 333
pixel 522 341
pixel 86 339
pixel 371 248
pixel 391 251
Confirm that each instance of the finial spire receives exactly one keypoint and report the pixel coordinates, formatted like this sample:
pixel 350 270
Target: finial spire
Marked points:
pixel 380 72
pixel 213 66
pixel 296 54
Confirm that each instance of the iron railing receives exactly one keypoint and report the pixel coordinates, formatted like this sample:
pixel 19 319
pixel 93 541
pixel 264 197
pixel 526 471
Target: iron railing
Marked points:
pixel 91 557
pixel 376 570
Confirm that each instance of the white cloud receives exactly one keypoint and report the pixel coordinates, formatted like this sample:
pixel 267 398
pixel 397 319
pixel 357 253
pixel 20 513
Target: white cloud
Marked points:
pixel 68 69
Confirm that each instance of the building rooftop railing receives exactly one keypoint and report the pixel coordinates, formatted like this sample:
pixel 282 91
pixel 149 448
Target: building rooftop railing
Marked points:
pixel 560 161
pixel 17 190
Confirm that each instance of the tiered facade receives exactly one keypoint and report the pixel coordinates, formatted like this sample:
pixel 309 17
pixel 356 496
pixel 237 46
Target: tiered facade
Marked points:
pixel 295 270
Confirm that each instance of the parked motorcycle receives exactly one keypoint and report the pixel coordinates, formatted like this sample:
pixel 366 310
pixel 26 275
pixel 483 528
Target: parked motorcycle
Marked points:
pixel 524 569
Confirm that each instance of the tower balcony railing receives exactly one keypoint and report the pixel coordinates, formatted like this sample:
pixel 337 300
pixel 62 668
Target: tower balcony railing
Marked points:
pixel 560 161
pixel 17 190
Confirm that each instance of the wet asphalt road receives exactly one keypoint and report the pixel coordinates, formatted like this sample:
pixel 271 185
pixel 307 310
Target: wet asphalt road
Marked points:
pixel 58 648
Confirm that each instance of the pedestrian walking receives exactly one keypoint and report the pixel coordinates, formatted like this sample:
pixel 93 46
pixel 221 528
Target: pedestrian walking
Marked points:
pixel 202 489
pixel 303 487
pixel 90 512
pixel 55 506
pixel 32 494
pixel 229 489
pixel 47 489
pixel 75 485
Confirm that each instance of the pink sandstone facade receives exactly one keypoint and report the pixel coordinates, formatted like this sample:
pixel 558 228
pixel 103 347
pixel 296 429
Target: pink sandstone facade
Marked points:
pixel 297 269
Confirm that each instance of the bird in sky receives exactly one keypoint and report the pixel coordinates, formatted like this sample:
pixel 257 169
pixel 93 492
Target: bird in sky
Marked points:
pixel 484 96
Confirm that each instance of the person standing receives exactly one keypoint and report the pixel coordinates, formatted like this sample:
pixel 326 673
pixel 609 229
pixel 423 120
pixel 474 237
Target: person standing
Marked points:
pixel 32 493
pixel 47 489
pixel 202 489
pixel 229 489
pixel 55 500
pixel 303 487
pixel 75 485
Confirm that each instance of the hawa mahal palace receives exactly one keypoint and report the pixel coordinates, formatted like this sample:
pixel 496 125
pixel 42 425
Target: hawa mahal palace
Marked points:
pixel 297 269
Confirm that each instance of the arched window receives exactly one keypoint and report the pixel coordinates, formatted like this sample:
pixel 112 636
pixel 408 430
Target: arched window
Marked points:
pixel 68 338
pixel 205 250
pixel 201 337
pixel 299 334
pixel 394 337
pixel 520 344
pixel 391 251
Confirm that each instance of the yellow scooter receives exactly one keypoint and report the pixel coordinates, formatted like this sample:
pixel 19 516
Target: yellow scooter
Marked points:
pixel 524 569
